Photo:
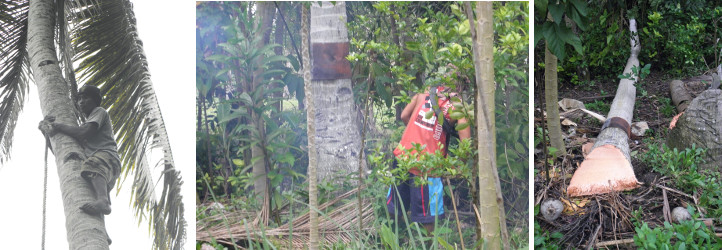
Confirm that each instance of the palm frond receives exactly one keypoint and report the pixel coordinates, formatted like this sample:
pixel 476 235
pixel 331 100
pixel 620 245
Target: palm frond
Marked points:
pixel 110 56
pixel 14 69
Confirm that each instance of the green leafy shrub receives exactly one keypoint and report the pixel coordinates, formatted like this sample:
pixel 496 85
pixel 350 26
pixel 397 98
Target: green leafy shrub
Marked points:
pixel 599 106
pixel 689 234
pixel 682 167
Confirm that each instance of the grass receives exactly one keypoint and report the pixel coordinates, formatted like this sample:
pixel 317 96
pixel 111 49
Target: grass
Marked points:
pixel 598 106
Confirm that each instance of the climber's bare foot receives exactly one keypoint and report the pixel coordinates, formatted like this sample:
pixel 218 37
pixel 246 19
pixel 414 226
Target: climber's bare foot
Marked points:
pixel 96 207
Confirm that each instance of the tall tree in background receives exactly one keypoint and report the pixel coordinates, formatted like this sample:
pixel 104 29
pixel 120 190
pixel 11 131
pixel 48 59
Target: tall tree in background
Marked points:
pixel 337 131
pixel 553 29
pixel 491 205
pixel 264 18
pixel 110 56
pixel 311 128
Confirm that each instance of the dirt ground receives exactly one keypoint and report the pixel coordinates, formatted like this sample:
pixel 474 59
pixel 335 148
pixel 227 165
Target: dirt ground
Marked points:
pixel 607 219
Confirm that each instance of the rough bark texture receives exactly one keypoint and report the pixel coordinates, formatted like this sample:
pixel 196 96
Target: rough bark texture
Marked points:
pixel 337 131
pixel 491 205
pixel 551 96
pixel 311 128
pixel 83 231
pixel 680 95
pixel 264 14
pixel 623 104
pixel 701 125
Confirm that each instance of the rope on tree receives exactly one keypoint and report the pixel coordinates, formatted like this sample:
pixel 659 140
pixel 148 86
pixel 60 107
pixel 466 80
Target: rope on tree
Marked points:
pixel 45 188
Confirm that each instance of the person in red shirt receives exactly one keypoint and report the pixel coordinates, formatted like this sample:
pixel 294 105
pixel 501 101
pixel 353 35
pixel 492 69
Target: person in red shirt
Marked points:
pixel 425 202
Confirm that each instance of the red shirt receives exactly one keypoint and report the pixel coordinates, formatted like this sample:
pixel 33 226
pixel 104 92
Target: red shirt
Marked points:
pixel 425 131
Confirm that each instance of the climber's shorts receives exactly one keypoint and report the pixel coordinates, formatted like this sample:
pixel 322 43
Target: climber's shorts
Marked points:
pixel 425 202
pixel 102 163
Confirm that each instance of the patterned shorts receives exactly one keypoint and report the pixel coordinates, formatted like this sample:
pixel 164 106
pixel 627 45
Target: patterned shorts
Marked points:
pixel 425 202
pixel 102 163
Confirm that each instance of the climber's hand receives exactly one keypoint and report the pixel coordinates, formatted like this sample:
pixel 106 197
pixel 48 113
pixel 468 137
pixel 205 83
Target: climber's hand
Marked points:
pixel 47 127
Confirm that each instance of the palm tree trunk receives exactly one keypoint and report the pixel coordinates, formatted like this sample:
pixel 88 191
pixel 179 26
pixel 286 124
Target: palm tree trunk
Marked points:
pixel 311 128
pixel 83 231
pixel 337 129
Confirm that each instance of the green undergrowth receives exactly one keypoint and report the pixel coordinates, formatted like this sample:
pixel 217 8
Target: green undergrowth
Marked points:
pixel 682 167
pixel 688 234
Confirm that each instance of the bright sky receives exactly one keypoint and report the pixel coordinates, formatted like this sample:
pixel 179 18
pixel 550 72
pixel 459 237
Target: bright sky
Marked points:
pixel 166 29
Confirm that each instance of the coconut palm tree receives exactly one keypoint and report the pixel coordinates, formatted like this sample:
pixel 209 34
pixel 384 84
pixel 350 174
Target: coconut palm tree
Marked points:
pixel 99 37
pixel 337 129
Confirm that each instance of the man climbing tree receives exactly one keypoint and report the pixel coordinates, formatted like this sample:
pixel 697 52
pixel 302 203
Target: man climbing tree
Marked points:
pixel 101 164
pixel 424 201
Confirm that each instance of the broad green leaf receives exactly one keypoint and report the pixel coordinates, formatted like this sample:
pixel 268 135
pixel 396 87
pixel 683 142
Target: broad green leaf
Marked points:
pixel 413 45
pixel 463 28
pixel 275 58
pixel 273 72
pixel 568 36
pixel 579 19
pixel 238 162
pixel 456 115
pixel 538 33
pixel 428 115
pixel 556 46
pixel 461 126
pixel 580 6
pixel 222 72
pixel 541 6
pixel 246 98
pixel 556 10
pixel 294 62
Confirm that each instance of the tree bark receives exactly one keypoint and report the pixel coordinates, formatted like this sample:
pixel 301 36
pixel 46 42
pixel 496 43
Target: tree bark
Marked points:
pixel 680 96
pixel 83 231
pixel 552 107
pixel 337 131
pixel 623 103
pixel 264 14
pixel 698 126
pixel 608 166
pixel 311 128
pixel 491 205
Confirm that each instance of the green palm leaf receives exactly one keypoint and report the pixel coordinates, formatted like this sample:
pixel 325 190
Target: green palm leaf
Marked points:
pixel 110 56
pixel 15 70
pixel 101 37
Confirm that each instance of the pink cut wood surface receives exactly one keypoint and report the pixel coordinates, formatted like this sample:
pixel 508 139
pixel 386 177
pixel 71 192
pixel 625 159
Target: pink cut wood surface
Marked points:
pixel 605 169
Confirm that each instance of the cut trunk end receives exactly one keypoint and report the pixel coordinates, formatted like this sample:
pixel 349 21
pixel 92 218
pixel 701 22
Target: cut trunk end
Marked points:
pixel 604 170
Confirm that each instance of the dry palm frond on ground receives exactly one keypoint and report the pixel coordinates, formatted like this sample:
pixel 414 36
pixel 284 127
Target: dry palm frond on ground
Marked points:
pixel 340 224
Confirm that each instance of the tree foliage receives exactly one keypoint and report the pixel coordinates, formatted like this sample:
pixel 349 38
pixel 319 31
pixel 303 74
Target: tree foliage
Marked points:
pixel 397 49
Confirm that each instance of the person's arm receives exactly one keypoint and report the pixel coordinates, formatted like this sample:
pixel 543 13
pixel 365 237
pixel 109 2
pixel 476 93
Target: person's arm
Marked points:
pixel 78 132
pixel 464 133
pixel 406 114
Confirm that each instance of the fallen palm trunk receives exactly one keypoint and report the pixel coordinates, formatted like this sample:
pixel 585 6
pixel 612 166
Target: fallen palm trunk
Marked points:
pixel 680 98
pixel 680 95
pixel 608 166
pixel 700 125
